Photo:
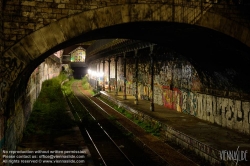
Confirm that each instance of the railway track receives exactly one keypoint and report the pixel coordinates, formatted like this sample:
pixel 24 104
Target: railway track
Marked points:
pixel 109 145
pixel 160 152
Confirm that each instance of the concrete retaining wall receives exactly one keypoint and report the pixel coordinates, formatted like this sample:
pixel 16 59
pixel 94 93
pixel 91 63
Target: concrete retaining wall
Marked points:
pixel 17 121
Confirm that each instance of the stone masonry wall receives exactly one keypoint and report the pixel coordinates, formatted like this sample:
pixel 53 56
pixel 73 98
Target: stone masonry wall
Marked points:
pixel 1 51
pixel 22 17
pixel 23 107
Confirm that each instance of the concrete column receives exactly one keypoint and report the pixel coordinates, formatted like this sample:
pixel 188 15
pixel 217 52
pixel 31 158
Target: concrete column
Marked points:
pixel 136 77
pixel 116 87
pixel 124 76
pixel 103 70
pixel 109 88
pixel 96 81
pixel 152 78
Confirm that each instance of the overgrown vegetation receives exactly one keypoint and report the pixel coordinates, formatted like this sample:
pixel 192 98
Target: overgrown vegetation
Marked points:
pixel 77 109
pixel 49 111
pixel 153 129
pixel 86 85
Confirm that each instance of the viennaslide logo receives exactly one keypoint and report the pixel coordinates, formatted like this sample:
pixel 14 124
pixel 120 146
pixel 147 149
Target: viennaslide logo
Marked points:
pixel 233 155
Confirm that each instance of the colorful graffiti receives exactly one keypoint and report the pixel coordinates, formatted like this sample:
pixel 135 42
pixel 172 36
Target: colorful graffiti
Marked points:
pixel 176 86
pixel 167 97
pixel 172 99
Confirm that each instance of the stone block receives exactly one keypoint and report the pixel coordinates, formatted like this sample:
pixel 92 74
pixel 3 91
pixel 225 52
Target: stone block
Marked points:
pixel 56 11
pixel 66 1
pixel 25 8
pixel 9 7
pixel 72 12
pixel 69 6
pixel 27 26
pixel 48 37
pixel 55 29
pixel 65 11
pixel 44 15
pixel 28 3
pixel 53 16
pixel 28 31
pixel 41 44
pixel 79 7
pixel 20 19
pixel 59 16
pixel 61 6
pixel 66 25
pixel 11 25
pixel 31 47
pixel 47 10
pixel 18 31
pixel 125 13
pixel 82 23
pixel 14 2
pixel 19 37
pixel 7 44
pixel 42 4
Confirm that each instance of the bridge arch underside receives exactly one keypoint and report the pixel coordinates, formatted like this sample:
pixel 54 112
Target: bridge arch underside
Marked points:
pixel 212 53
pixel 208 50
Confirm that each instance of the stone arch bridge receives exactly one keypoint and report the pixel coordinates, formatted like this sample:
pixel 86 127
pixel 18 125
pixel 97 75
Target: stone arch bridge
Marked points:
pixel 33 30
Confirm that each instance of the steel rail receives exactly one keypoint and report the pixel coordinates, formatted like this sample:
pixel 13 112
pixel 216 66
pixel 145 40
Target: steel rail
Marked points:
pixel 122 125
pixel 85 128
pixel 102 130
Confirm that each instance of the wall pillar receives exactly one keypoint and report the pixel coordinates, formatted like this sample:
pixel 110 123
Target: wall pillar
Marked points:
pixel 109 88
pixel 152 78
pixel 103 70
pixel 124 76
pixel 96 79
pixel 136 77
pixel 116 87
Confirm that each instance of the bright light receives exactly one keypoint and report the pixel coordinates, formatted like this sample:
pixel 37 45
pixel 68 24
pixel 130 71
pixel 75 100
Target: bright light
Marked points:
pixel 100 74
pixel 89 71
pixel 94 73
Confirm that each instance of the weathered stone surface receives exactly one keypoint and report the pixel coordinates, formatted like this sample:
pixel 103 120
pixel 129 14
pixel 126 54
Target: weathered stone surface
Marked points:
pixel 67 26
pixel 31 47
pixel 20 52
pixel 55 28
pixel 38 39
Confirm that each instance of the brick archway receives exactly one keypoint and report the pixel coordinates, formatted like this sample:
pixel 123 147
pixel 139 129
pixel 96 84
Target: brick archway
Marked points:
pixel 23 53
pixel 41 41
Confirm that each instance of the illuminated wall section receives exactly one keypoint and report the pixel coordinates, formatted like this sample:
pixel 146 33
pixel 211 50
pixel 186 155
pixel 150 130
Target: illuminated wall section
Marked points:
pixel 78 55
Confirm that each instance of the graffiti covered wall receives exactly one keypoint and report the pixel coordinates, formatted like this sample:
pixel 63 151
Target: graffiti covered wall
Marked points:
pixel 23 106
pixel 177 86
